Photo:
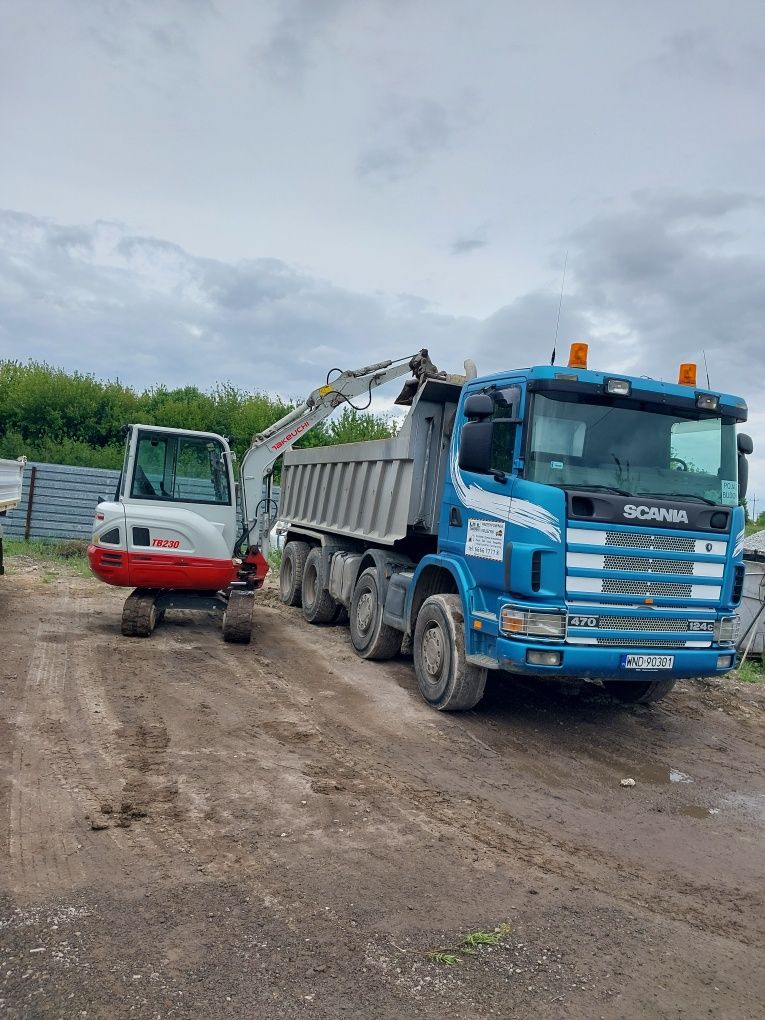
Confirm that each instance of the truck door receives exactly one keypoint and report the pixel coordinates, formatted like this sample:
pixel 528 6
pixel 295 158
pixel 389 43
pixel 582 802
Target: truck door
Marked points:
pixel 477 505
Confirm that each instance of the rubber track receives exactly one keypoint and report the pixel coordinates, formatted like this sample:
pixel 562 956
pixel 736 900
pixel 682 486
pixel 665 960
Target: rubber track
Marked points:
pixel 237 620
pixel 138 614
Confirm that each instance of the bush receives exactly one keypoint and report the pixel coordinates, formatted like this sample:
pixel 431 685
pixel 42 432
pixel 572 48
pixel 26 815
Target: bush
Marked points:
pixel 63 417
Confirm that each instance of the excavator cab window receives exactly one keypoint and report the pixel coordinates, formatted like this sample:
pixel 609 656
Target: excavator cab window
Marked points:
pixel 180 469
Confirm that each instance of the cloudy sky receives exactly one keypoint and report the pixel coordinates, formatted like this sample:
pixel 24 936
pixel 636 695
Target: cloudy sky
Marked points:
pixel 258 190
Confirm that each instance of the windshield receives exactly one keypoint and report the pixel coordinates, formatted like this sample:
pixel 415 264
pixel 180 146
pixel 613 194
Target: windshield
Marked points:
pixel 603 443
pixel 186 469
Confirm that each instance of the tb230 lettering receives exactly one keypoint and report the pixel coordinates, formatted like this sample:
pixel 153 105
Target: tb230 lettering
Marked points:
pixel 166 543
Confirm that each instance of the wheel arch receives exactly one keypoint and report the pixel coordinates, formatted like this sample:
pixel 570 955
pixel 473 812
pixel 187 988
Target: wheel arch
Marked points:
pixel 435 575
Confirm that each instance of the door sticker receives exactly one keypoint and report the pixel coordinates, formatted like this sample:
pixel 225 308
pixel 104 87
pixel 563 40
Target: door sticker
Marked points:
pixel 485 539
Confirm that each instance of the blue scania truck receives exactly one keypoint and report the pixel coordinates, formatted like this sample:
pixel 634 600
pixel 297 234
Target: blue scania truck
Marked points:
pixel 547 521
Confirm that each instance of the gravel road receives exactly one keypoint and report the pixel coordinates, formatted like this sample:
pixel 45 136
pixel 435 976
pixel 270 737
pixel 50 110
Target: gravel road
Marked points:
pixel 197 830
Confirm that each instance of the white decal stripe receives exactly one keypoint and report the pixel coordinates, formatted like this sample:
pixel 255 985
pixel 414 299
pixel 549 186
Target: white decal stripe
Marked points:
pixel 516 511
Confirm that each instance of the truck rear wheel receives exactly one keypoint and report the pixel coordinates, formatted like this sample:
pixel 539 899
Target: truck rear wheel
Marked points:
pixel 318 604
pixel 446 680
pixel 291 572
pixel 371 638
pixel 237 618
pixel 638 692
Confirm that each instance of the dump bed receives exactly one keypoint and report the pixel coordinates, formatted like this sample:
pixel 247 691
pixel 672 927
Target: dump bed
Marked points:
pixel 378 491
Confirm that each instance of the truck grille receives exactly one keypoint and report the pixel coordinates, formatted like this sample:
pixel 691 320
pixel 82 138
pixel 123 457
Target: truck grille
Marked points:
pixel 619 586
pixel 644 623
pixel 642 563
pixel 663 543
pixel 594 555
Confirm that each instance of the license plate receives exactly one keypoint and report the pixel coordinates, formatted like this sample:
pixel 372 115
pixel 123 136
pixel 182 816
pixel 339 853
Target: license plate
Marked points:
pixel 648 661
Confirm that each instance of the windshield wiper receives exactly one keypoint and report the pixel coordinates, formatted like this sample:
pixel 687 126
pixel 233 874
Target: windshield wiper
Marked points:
pixel 679 495
pixel 597 488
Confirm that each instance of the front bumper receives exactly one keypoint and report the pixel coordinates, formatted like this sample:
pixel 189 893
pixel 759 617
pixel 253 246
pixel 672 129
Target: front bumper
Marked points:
pixel 579 661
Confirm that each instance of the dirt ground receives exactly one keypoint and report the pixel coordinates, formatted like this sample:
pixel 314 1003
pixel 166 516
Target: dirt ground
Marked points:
pixel 197 830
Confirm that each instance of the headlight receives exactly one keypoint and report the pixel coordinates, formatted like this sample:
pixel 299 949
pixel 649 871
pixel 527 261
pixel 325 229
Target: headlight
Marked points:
pixel 725 630
pixel 531 623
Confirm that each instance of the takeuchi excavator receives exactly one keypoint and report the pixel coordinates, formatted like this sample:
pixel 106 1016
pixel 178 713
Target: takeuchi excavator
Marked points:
pixel 171 532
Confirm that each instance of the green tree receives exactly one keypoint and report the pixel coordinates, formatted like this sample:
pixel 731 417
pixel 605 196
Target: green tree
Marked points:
pixel 69 418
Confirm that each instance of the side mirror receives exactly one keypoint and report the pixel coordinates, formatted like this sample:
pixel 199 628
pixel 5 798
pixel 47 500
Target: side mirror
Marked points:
pixel 475 445
pixel 479 405
pixel 100 499
pixel 745 446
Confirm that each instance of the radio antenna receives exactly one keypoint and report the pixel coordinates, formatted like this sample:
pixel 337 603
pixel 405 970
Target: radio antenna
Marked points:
pixel 560 303
pixel 706 368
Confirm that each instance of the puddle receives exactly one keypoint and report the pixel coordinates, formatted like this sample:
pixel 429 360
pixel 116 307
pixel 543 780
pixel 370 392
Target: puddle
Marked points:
pixel 697 811
pixel 678 777
pixel 659 775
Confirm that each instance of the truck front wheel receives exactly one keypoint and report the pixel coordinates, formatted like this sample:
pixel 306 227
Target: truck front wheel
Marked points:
pixel 371 638
pixel 446 680
pixel 638 692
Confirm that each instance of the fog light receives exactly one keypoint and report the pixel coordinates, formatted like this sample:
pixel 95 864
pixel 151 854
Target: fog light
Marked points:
pixel 725 629
pixel 707 401
pixel 619 387
pixel 538 657
pixel 724 661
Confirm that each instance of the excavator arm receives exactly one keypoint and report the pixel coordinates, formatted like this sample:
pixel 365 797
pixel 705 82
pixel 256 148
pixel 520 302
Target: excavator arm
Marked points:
pixel 259 511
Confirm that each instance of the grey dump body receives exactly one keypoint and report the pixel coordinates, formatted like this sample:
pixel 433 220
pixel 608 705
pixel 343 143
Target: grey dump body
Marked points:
pixel 380 491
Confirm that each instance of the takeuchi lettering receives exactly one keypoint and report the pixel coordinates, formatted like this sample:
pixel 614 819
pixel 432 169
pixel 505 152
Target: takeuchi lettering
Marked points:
pixel 291 435
pixel 655 513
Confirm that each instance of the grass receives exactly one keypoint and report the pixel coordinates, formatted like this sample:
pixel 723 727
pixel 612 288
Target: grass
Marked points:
pixel 469 945
pixel 71 555
pixel 275 560
pixel 752 672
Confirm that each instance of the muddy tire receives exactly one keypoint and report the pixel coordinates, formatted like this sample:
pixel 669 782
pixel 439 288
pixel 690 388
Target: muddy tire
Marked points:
pixel 291 573
pixel 637 692
pixel 446 680
pixel 318 604
pixel 371 638
pixel 237 618
pixel 139 614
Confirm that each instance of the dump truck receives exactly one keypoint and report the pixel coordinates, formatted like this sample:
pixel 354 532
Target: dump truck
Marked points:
pixel 11 477
pixel 553 522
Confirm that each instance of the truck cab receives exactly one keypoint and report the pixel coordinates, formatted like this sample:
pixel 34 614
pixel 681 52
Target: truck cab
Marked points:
pixel 593 523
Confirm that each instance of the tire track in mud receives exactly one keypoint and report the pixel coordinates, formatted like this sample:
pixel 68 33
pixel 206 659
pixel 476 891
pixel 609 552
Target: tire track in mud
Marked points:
pixel 491 828
pixel 42 848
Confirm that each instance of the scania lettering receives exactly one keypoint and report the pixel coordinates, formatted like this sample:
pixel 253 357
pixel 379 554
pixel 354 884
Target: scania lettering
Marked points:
pixel 546 521
pixel 655 513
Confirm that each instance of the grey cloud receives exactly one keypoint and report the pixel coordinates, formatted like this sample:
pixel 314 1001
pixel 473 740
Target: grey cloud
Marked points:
pixel 148 311
pixel 465 244
pixel 294 39
pixel 676 285
pixel 409 133
pixel 523 332
pixel 142 32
